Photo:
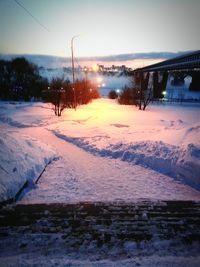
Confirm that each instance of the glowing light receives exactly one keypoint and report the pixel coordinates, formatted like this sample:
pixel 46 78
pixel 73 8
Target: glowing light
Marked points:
pixel 118 91
pixel 103 84
pixel 99 79
pixel 95 67
pixel 164 93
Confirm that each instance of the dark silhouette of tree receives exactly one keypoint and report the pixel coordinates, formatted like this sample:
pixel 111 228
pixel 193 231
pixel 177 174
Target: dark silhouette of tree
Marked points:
pixel 5 79
pixel 128 97
pixel 85 91
pixel 112 94
pixel 139 93
pixel 143 89
pixel 57 95
pixel 20 80
pixel 60 93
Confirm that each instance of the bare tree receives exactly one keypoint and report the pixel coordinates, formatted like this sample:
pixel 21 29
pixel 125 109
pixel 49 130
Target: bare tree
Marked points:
pixel 145 98
pixel 145 91
pixel 58 94
pixel 143 84
pixel 61 95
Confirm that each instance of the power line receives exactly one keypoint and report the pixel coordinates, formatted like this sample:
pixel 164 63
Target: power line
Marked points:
pixel 28 12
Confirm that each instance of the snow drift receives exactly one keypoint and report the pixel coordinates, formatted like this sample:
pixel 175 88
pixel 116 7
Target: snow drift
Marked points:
pixel 182 163
pixel 167 142
pixel 22 160
pixel 164 141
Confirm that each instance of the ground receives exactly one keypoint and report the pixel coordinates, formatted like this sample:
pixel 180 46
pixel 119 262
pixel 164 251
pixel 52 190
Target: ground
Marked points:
pixel 105 153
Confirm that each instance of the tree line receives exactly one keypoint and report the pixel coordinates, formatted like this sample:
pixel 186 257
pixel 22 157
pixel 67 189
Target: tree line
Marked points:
pixel 20 80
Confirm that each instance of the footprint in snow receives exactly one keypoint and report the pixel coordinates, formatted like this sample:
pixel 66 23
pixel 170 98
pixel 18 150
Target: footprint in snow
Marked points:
pixel 119 125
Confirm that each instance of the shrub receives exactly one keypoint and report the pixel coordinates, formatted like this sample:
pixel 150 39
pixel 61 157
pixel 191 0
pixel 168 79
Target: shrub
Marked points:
pixel 113 94
pixel 62 94
pixel 128 96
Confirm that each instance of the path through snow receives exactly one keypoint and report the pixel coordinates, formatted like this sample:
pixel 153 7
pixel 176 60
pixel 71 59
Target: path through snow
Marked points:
pixel 80 176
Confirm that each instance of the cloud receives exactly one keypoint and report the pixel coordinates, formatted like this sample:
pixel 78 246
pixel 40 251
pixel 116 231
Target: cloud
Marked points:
pixel 55 61
pixel 131 56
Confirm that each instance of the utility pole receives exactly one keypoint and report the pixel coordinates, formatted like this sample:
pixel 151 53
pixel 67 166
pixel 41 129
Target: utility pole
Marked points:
pixel 73 76
pixel 86 80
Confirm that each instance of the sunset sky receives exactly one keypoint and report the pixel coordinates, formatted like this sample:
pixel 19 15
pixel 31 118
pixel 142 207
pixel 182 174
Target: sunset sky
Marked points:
pixel 104 27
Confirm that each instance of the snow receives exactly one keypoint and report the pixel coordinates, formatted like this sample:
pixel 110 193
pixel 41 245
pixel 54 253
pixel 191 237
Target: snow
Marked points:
pixel 100 152
pixel 81 176
pixel 22 160
pixel 63 261
pixel 167 142
pixel 104 151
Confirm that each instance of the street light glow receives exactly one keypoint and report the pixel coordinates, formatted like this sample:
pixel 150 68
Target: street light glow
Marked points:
pixel 99 79
pixel 95 67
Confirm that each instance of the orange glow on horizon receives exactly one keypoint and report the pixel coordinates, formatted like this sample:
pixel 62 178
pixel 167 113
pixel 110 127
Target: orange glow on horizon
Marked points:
pixel 134 63
pixel 95 67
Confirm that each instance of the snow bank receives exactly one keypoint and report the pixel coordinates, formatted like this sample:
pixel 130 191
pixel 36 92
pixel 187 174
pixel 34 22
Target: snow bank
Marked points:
pixel 182 163
pixel 178 162
pixel 165 138
pixel 167 142
pixel 22 159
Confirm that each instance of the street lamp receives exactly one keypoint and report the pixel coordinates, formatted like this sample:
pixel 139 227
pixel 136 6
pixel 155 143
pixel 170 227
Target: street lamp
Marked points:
pixel 73 78
pixel 86 72
pixel 164 93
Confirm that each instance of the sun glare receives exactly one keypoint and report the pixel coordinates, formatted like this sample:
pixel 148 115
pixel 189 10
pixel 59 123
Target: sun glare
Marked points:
pixel 99 79
pixel 95 67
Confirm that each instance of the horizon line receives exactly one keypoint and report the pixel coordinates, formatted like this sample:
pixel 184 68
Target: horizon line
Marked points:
pixel 112 57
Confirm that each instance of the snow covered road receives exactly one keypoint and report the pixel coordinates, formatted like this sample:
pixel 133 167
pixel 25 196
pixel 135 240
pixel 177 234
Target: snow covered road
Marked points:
pixel 80 176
